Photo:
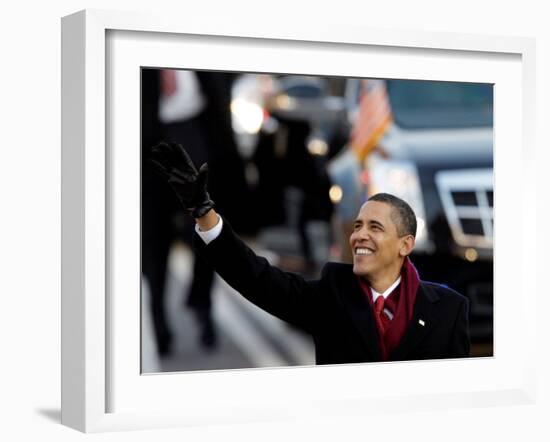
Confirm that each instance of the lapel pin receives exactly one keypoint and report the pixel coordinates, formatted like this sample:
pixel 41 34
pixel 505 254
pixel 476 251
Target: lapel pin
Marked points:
pixel 421 322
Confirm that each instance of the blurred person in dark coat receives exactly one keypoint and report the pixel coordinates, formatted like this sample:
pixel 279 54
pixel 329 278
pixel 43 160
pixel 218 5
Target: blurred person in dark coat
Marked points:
pixel 158 207
pixel 193 108
pixel 375 309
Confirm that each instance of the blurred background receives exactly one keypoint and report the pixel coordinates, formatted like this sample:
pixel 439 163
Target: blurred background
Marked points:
pixel 303 153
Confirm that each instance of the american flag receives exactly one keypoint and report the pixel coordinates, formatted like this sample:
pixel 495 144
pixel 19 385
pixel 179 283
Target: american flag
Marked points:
pixel 373 118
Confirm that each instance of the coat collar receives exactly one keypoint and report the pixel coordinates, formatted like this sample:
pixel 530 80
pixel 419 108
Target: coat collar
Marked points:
pixel 424 319
pixel 362 317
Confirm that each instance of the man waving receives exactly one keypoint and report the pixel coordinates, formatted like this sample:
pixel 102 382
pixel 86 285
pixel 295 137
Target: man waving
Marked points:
pixel 376 309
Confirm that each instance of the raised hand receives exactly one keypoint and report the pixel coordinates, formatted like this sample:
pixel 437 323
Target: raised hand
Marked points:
pixel 190 185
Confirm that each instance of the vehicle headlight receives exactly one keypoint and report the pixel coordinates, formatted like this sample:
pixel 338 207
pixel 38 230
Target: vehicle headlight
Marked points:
pixel 317 146
pixel 399 178
pixel 247 116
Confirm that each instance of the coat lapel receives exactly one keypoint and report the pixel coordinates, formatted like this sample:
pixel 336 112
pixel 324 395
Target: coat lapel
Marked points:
pixel 424 319
pixel 360 312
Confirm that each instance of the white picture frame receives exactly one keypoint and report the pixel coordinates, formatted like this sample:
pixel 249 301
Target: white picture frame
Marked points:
pixel 101 390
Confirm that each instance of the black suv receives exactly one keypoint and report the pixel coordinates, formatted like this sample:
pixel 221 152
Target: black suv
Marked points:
pixel 440 160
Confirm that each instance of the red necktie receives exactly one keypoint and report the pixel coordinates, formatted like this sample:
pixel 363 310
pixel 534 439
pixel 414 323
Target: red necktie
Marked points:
pixel 381 318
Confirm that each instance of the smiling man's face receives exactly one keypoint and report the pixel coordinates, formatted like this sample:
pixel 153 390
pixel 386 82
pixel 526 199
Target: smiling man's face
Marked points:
pixel 378 250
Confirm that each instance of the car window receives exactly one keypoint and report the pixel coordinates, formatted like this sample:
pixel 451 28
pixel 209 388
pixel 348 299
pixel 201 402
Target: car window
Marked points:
pixel 439 104
pixel 304 91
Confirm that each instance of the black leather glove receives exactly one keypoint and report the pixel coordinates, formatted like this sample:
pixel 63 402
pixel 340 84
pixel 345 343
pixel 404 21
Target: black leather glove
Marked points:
pixel 174 164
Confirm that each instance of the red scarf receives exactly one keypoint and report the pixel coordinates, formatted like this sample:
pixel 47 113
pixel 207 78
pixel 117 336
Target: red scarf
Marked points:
pixel 401 303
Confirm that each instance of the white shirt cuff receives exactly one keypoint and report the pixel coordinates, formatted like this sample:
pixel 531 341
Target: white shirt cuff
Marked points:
pixel 210 235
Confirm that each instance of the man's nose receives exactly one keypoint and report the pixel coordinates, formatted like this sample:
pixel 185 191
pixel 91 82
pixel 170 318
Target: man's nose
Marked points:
pixel 361 234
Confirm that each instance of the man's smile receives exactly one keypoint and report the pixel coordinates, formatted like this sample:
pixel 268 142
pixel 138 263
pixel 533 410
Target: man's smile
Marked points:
pixel 363 251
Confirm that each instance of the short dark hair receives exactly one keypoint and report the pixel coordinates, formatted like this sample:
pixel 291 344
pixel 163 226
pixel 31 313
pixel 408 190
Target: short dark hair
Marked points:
pixel 402 214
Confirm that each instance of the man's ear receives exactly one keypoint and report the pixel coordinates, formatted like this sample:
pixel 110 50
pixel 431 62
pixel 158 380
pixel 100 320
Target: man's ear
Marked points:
pixel 407 245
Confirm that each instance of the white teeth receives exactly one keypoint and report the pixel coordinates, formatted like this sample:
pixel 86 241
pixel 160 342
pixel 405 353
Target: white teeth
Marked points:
pixel 363 252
